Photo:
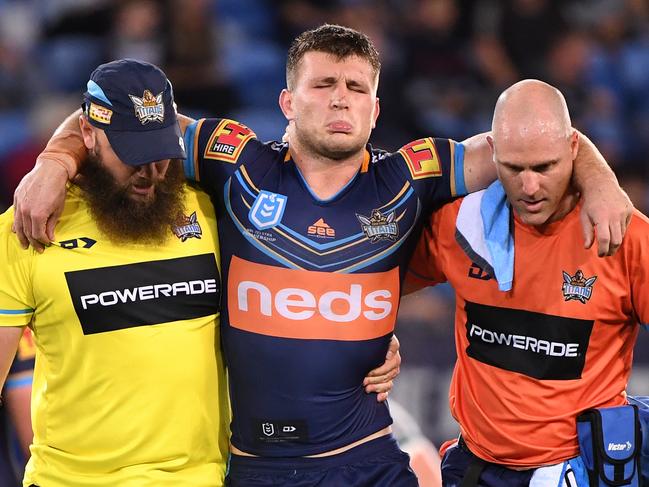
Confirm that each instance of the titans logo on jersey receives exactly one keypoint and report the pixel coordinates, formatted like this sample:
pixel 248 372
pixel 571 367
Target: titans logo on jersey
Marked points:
pixel 311 286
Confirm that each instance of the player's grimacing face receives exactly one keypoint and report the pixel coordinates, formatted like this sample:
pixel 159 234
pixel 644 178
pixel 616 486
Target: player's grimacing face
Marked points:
pixel 536 172
pixel 333 104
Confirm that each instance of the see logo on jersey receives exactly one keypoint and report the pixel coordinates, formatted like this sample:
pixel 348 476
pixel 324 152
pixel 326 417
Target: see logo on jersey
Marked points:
pixel 188 227
pixel 321 229
pixel 379 226
pixel 577 287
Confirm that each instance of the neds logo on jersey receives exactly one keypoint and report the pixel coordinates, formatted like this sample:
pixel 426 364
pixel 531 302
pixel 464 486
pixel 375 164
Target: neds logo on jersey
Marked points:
pixel 293 303
pixel 146 293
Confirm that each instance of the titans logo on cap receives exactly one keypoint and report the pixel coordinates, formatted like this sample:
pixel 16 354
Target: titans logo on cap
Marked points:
pixel 149 108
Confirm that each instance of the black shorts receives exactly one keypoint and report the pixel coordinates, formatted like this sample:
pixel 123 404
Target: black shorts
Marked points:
pixel 377 463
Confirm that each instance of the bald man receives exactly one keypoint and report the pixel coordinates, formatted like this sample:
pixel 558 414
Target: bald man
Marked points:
pixel 535 351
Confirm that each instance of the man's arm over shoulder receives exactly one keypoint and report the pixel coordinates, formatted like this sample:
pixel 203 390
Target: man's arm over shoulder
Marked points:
pixel 479 167
pixel 607 209
pixel 38 199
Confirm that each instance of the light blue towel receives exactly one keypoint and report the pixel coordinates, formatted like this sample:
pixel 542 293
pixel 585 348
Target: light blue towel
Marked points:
pixel 484 229
pixel 499 236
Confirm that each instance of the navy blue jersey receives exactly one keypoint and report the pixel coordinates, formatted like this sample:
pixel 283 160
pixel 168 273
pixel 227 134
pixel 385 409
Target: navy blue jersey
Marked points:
pixel 313 285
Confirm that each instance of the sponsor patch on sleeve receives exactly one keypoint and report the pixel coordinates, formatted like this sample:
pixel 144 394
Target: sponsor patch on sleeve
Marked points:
pixel 227 141
pixel 422 158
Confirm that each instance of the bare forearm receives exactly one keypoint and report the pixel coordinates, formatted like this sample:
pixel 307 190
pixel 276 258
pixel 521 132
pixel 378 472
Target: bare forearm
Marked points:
pixel 606 210
pixel 479 169
pixel 66 146
pixel 591 171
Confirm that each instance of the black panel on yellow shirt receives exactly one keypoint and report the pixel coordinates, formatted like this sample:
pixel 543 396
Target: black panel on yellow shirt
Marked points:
pixel 148 293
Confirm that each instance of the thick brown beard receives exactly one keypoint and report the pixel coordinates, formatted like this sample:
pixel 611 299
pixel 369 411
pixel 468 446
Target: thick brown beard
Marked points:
pixel 125 220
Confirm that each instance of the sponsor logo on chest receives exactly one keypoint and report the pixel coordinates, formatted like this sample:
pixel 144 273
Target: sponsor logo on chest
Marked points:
pixel 321 229
pixel 146 293
pixel 294 303
pixel 535 344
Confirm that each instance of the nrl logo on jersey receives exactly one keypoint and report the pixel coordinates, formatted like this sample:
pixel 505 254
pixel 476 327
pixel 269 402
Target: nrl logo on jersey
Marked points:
pixel 267 210
pixel 577 287
pixel 379 226
pixel 188 227
pixel 149 108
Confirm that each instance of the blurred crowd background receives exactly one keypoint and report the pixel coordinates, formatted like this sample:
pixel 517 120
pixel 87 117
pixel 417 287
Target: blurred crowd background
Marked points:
pixel 444 64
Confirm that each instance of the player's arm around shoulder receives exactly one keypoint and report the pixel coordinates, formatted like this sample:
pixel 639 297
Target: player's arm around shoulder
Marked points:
pixel 479 168
pixel 38 199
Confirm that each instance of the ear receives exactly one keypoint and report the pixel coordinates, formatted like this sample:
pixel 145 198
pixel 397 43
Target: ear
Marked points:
pixel 87 132
pixel 574 144
pixel 490 141
pixel 377 110
pixel 286 104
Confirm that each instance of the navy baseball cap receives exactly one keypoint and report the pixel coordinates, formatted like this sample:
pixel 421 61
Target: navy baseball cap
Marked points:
pixel 132 101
